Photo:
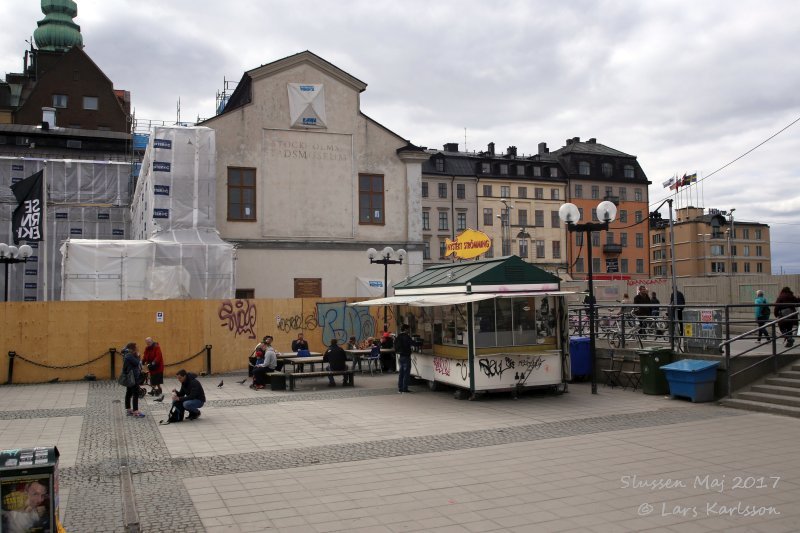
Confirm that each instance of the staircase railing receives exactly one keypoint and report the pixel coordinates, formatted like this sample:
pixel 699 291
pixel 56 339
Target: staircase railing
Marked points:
pixel 725 347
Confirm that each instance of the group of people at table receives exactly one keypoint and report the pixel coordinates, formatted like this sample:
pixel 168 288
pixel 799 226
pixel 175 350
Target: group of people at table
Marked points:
pixel 265 359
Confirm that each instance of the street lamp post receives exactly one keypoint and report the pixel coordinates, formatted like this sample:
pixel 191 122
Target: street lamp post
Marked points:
pixel 385 258
pixel 10 255
pixel 505 226
pixel 570 214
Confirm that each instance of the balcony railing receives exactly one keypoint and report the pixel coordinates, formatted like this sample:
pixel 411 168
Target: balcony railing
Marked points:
pixel 612 248
pixel 612 199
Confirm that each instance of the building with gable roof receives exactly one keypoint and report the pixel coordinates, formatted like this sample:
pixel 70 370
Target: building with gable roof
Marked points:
pixel 306 183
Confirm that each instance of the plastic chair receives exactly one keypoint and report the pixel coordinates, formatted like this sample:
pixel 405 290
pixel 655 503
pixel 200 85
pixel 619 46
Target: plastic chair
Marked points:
pixel 374 360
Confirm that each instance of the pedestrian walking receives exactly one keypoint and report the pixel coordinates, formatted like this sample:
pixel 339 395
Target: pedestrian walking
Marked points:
pixel 785 305
pixel 762 315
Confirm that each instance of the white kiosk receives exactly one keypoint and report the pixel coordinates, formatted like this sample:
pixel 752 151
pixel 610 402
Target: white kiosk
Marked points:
pixel 489 325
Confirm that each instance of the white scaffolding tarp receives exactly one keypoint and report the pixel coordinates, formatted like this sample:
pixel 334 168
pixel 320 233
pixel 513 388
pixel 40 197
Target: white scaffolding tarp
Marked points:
pixel 183 264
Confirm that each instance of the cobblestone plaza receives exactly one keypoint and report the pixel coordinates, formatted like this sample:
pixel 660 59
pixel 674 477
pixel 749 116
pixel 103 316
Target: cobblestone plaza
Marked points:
pixel 367 459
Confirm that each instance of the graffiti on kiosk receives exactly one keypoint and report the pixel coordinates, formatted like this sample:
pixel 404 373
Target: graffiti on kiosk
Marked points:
pixel 340 321
pixel 441 366
pixel 464 367
pixel 239 317
pixel 522 367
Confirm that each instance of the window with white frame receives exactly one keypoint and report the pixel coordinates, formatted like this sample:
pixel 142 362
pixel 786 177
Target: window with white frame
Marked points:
pixel 90 103
pixel 487 190
pixel 426 251
pixel 556 249
pixel 522 217
pixel 640 240
pixel 443 218
pixel 523 247
pixel 538 193
pixel 505 191
pixel 522 192
pixel 424 189
pixel 540 249
pixel 640 266
pixel 637 195
pixel 538 218
pixel 488 216
pixel 461 221
pixel 554 194
pixel 442 190
pixel 426 220
pixel 578 190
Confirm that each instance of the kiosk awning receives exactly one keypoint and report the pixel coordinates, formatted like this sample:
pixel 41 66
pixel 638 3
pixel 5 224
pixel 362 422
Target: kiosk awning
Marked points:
pixel 428 300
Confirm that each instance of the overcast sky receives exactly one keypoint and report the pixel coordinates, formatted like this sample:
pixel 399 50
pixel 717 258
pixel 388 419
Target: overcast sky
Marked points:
pixel 685 86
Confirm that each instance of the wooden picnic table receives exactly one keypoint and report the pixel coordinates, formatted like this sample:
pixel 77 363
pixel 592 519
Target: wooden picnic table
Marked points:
pixel 301 361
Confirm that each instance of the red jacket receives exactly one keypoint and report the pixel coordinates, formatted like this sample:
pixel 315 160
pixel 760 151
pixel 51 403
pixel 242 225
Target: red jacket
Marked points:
pixel 152 353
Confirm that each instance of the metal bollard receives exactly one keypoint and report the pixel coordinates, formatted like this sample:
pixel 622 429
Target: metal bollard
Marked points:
pixel 11 356
pixel 113 353
pixel 208 359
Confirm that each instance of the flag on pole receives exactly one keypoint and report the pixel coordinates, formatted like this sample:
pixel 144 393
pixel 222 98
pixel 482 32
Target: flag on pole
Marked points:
pixel 693 178
pixel 686 180
pixel 669 182
pixel 27 222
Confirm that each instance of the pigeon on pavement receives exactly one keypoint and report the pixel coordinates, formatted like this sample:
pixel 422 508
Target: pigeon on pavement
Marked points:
pixel 220 384
pixel 242 382
pixel 159 399
pixel 54 380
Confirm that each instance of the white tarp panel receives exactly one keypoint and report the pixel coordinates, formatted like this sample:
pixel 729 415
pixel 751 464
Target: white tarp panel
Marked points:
pixel 370 287
pixel 177 182
pixel 307 105
pixel 179 264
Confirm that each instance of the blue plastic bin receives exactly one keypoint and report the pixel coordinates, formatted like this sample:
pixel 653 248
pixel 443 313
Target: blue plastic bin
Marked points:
pixel 692 378
pixel 579 356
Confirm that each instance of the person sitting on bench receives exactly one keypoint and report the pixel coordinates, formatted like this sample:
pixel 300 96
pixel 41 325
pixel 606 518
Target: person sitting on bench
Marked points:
pixel 266 363
pixel 337 361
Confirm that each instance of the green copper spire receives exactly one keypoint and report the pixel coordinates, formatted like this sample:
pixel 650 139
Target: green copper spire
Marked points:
pixel 57 32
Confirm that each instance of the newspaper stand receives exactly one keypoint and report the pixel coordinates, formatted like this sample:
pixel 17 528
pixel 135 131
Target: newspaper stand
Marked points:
pixel 29 489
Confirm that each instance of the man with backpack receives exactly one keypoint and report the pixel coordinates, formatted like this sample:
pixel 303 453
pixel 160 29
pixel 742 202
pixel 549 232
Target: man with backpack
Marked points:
pixel 190 398
pixel 762 315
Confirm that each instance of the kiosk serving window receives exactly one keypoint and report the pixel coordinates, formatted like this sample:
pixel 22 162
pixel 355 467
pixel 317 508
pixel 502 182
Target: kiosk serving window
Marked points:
pixel 516 321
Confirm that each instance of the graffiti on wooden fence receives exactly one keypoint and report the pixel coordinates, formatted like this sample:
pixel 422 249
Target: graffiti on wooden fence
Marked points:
pixel 239 317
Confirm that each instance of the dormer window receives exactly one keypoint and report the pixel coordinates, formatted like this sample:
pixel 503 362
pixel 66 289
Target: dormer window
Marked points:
pixel 520 170
pixel 607 170
pixel 486 168
pixel 629 172
pixel 583 168
pixel 440 165
pixel 504 168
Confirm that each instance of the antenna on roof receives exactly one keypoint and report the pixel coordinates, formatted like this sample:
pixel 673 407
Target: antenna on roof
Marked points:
pixel 465 140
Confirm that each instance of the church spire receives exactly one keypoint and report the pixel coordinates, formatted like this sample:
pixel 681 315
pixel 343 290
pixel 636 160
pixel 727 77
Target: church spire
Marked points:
pixel 57 32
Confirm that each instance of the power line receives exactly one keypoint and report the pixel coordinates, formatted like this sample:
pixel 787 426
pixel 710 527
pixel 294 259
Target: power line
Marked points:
pixel 762 143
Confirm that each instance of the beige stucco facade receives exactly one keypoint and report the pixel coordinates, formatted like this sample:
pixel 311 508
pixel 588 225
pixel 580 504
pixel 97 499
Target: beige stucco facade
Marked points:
pixel 306 222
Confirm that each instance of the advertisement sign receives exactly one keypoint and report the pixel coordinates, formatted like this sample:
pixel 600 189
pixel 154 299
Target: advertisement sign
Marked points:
pixel 469 244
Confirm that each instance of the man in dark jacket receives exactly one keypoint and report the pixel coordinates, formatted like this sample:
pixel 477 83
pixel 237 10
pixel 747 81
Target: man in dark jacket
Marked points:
pixel 191 397
pixel 337 361
pixel 403 347
pixel 643 300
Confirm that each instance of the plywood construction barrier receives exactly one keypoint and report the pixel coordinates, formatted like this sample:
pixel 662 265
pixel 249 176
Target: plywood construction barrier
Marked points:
pixel 68 340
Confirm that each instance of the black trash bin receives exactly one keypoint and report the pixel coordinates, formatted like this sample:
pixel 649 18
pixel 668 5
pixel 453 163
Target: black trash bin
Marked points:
pixel 277 381
pixel 29 478
pixel 651 359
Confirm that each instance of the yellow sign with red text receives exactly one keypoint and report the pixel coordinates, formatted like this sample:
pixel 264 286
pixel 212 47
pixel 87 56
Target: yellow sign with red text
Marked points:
pixel 469 244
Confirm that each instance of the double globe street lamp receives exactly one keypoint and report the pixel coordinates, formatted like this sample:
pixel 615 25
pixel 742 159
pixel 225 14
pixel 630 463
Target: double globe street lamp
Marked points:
pixel 386 257
pixel 571 215
pixel 10 255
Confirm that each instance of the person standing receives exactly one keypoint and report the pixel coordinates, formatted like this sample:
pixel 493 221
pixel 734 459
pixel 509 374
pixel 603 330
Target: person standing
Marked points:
pixel 786 304
pixel 762 315
pixel 643 301
pixel 191 396
pixel 337 362
pixel 154 360
pixel 403 347
pixel 132 363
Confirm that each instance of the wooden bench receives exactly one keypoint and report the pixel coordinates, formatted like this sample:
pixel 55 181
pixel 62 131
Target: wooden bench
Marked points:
pixel 325 373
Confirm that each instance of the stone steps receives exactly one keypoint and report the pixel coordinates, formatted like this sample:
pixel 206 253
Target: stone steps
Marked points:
pixel 779 395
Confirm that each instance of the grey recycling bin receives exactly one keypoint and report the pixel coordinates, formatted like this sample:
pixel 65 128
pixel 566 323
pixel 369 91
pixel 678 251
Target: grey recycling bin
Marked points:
pixel 29 489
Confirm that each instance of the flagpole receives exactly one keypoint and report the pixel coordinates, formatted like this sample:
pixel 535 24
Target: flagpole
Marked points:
pixel 44 231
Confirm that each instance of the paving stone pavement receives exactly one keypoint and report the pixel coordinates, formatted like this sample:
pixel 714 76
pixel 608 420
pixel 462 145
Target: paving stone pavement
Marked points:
pixel 368 459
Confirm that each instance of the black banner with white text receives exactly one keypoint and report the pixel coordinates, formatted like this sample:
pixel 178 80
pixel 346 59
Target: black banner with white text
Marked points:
pixel 26 222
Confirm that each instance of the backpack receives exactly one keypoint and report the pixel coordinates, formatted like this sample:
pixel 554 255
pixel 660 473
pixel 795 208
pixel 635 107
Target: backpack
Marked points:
pixel 174 415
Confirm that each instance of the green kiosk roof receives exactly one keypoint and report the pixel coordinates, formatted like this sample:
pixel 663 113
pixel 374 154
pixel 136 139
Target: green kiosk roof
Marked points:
pixel 498 275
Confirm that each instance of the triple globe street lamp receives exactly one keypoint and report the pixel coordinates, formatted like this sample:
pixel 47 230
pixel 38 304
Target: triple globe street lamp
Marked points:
pixel 571 215
pixel 386 257
pixel 10 255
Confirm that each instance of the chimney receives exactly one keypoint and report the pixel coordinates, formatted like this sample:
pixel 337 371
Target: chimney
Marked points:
pixel 568 141
pixel 48 117
pixel 451 147
pixel 511 151
pixel 491 148
pixel 543 149
pixel 593 140
pixel 576 139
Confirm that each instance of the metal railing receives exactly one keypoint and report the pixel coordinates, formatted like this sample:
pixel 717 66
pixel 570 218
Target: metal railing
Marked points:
pixel 688 328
